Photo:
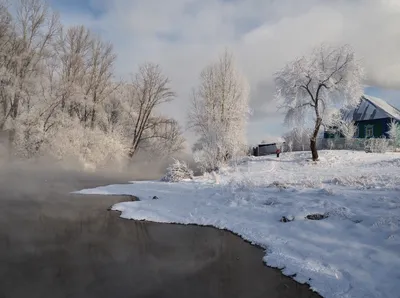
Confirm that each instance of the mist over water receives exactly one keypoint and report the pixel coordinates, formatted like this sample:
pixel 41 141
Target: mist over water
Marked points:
pixel 55 244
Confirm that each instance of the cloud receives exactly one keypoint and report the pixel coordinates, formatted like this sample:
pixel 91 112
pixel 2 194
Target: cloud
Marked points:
pixel 184 35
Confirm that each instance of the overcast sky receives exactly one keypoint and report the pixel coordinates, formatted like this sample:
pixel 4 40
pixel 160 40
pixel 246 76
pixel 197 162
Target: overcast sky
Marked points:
pixel 184 35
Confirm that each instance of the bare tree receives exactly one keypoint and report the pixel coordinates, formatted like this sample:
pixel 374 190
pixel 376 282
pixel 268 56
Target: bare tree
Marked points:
pixel 219 112
pixel 6 40
pixel 36 28
pixel 163 136
pixel 73 49
pixel 114 109
pixel 148 90
pixel 309 88
pixel 99 81
pixel 86 73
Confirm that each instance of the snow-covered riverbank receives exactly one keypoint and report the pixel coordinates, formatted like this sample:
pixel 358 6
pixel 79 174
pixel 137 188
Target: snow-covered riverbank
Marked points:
pixel 354 252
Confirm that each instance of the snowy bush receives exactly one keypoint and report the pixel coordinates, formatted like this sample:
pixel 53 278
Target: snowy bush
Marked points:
pixel 206 159
pixel 394 133
pixel 331 144
pixel 279 185
pixel 311 183
pixel 298 139
pixel 242 183
pixel 376 145
pixel 178 171
pixel 348 129
pixel 93 148
pixel 216 177
pixel 70 141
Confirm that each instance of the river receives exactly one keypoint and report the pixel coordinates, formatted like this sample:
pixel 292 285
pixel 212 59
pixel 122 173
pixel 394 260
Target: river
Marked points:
pixel 54 244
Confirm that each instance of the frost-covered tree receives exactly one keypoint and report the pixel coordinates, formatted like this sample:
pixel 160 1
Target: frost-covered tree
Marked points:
pixel 74 81
pixel 290 145
pixel 30 32
pixel 219 112
pixel 348 130
pixel 394 132
pixel 99 80
pixel 59 96
pixel 298 138
pixel 86 74
pixel 73 50
pixel 7 36
pixel 311 87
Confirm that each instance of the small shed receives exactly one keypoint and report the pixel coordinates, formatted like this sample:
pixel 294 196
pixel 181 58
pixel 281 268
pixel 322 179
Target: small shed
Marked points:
pixel 270 147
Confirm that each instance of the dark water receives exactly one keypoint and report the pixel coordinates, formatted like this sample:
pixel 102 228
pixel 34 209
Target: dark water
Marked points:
pixel 53 244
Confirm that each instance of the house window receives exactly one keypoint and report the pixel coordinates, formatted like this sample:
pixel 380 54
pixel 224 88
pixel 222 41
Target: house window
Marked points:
pixel 357 132
pixel 369 131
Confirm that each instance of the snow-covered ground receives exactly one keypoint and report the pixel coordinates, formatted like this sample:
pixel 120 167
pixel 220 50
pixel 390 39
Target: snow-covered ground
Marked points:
pixel 354 252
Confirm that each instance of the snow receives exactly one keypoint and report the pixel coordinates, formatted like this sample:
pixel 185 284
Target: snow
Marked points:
pixel 272 140
pixel 371 108
pixel 392 111
pixel 355 252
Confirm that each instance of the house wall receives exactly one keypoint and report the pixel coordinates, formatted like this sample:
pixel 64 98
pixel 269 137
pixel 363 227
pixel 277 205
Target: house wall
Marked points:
pixel 331 135
pixel 380 127
pixel 265 149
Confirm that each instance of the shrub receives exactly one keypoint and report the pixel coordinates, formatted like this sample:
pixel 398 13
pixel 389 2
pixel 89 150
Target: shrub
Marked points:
pixel 71 141
pixel 178 171
pixel 376 145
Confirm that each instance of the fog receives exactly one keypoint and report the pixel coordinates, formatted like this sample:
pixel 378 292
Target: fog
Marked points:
pixel 55 244
pixel 141 167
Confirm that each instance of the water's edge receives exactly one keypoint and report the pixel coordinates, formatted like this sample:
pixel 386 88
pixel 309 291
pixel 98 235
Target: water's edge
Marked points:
pixel 261 248
pixel 54 244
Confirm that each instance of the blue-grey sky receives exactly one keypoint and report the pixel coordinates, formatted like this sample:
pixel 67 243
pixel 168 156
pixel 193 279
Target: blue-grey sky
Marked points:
pixel 184 35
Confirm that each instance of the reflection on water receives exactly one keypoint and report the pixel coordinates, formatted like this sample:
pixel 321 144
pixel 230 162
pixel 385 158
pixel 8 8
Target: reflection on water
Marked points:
pixel 70 246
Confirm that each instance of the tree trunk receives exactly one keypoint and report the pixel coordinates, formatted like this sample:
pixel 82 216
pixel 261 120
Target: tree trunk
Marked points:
pixel 132 150
pixel 11 138
pixel 93 119
pixel 313 146
pixel 15 107
pixel 313 140
pixel 135 145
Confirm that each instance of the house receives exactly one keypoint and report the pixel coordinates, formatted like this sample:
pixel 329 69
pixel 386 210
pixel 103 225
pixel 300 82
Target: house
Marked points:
pixel 372 118
pixel 268 146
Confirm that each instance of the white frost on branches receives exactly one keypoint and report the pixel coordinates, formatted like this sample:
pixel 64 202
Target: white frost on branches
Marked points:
pixel 297 139
pixel 394 132
pixel 376 145
pixel 311 88
pixel 59 96
pixel 219 113
pixel 348 129
pixel 178 171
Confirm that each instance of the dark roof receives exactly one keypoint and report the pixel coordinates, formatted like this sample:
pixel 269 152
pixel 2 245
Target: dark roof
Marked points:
pixel 371 108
